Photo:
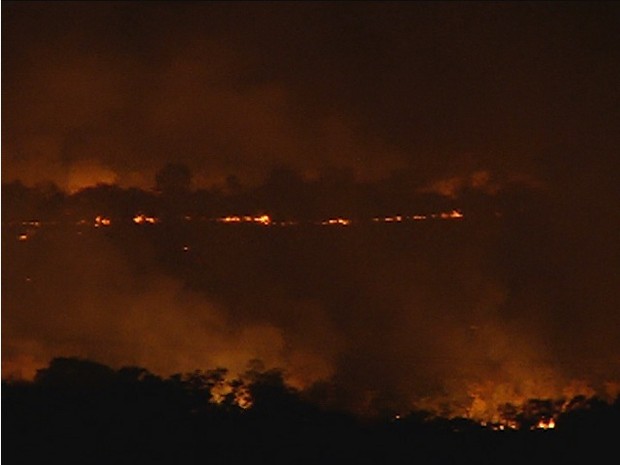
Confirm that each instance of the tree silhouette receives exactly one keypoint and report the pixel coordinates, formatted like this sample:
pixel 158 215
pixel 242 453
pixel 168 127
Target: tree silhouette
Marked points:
pixel 80 411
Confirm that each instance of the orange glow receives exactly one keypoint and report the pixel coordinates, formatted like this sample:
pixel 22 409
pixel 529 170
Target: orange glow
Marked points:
pixel 102 221
pixel 262 219
pixel 502 426
pixel 393 219
pixel 336 221
pixel 453 215
pixel 266 220
pixel 545 424
pixel 141 219
pixel 22 237
pixel 230 219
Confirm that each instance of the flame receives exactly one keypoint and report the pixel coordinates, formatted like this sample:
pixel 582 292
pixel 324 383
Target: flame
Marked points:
pixel 454 214
pixel 544 423
pixel 22 237
pixel 261 219
pixel 266 220
pixel 141 219
pixel 392 219
pixel 451 215
pixel 503 426
pixel 102 221
pixel 336 221
pixel 229 219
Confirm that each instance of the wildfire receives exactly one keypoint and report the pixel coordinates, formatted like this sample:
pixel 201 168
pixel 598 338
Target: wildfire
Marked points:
pixel 336 221
pixel 261 219
pixel 451 215
pixel 389 219
pixel 102 221
pixel 545 424
pixel 504 425
pixel 229 219
pixel 141 219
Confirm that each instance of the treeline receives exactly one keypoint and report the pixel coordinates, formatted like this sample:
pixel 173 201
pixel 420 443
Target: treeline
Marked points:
pixel 284 195
pixel 79 411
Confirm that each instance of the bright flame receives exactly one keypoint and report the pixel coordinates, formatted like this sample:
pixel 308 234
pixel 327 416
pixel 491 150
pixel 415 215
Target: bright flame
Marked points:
pixel 545 424
pixel 262 219
pixel 102 221
pixel 454 214
pixel 502 426
pixel 336 221
pixel 451 215
pixel 141 219
pixel 393 219
pixel 230 219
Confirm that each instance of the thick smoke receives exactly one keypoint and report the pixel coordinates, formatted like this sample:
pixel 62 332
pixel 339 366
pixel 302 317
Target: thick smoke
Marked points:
pixel 458 316
pixel 310 112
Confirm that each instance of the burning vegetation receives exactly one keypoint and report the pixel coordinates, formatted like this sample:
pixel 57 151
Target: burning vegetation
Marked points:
pixel 404 310
pixel 136 413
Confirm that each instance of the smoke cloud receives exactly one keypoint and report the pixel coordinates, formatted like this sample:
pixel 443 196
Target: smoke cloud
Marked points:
pixel 310 112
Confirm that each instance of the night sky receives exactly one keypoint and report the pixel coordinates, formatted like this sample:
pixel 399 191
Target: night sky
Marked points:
pixel 505 112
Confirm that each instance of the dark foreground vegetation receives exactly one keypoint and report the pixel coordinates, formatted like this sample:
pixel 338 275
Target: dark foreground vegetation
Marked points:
pixel 78 411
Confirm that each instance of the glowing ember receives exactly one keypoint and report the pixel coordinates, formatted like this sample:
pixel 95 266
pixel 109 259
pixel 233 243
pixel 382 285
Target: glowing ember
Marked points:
pixel 141 219
pixel 336 221
pixel 454 214
pixel 502 426
pixel 545 423
pixel 451 215
pixel 230 219
pixel 22 237
pixel 102 221
pixel 263 219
